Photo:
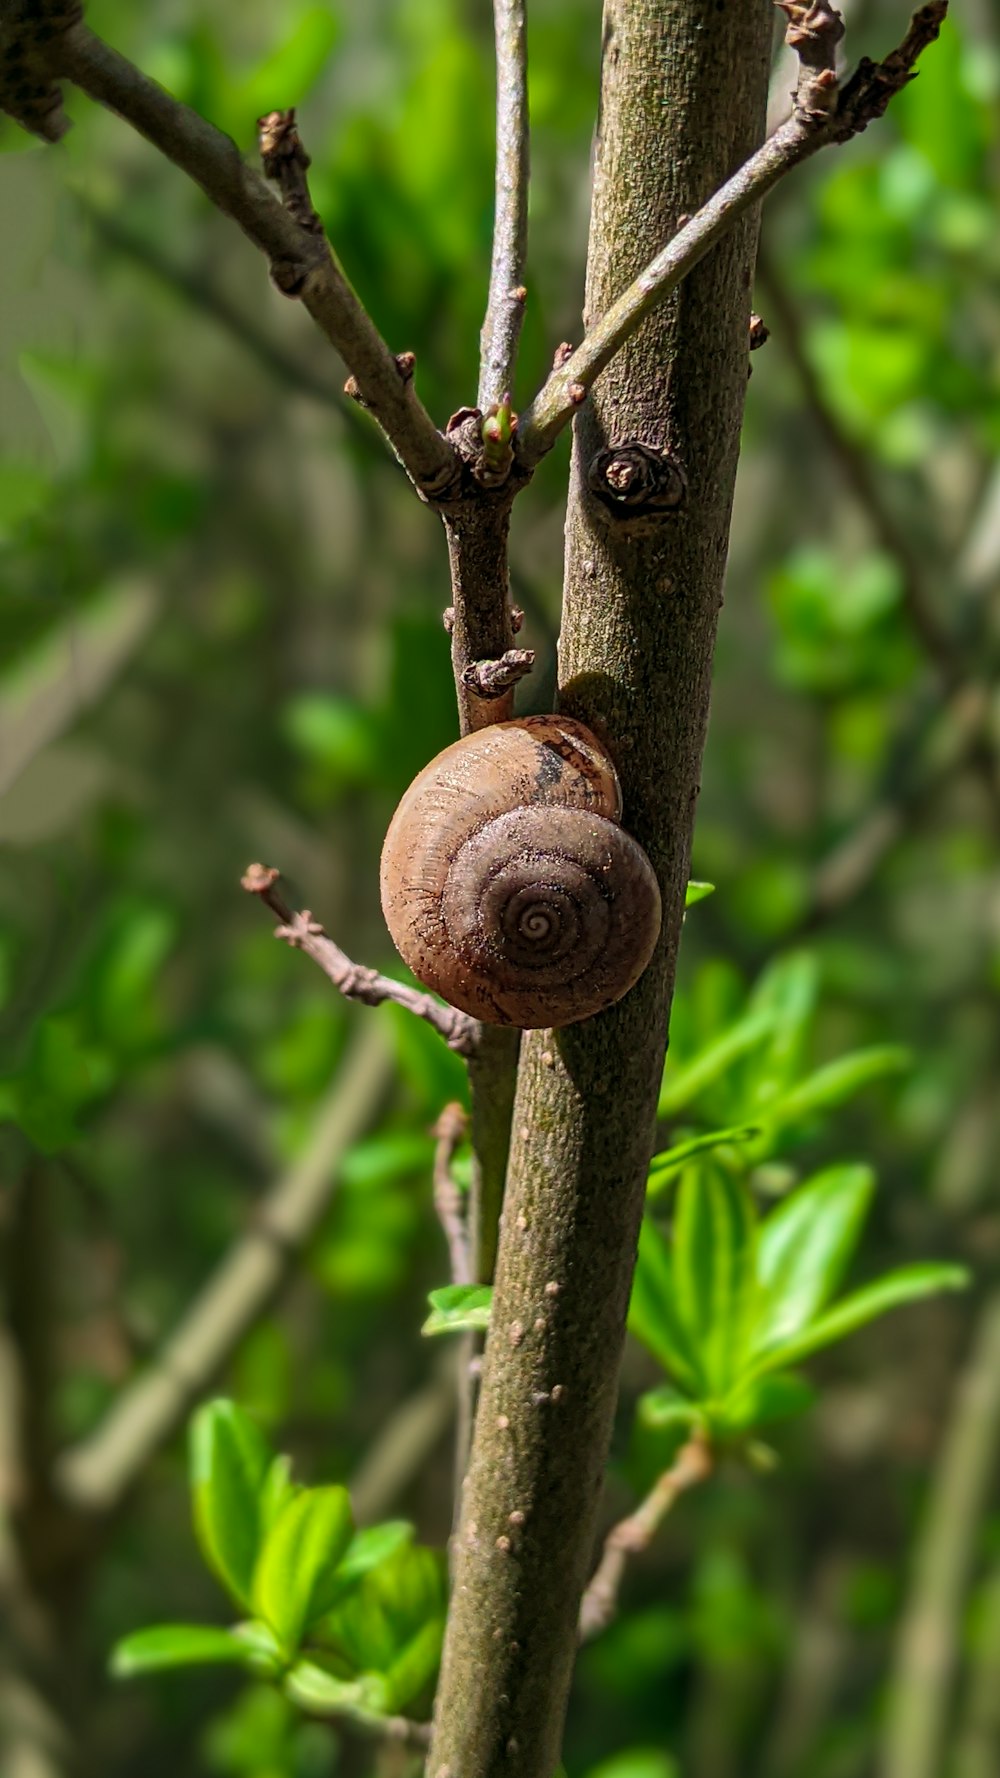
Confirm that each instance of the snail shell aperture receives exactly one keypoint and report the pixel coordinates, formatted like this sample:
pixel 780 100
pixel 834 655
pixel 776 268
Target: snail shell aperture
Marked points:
pixel 508 884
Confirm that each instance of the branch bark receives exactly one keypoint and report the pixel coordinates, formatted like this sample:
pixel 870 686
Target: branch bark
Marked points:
pixel 682 103
pixel 505 305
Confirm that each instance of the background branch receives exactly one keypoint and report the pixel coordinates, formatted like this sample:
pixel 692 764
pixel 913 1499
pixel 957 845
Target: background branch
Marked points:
pixel 302 263
pixel 634 1534
pixel 505 306
pixel 920 1687
pixel 94 1475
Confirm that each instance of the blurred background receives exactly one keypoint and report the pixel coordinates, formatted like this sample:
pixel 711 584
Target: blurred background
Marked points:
pixel 213 580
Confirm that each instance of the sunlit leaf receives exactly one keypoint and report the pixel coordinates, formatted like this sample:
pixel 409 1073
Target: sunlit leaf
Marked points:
pixel 907 1285
pixel 714 1269
pixel 804 1248
pixel 653 1316
pixel 230 1459
pixel 666 1165
pixel 459 1308
pixel 682 1086
pixel 177 1645
pixel 295 1580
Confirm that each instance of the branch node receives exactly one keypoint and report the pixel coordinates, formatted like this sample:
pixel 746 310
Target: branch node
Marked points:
pixel 406 364
pixel 760 333
pixel 562 355
pixel 491 679
pixel 286 162
pixel 637 481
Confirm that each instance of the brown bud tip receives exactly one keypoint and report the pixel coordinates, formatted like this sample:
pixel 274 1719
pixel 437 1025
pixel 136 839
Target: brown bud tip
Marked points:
pixel 683 219
pixel 448 618
pixel 562 355
pixel 351 389
pixel 520 294
pixel 257 879
pixel 406 364
pixel 576 393
pixel 516 618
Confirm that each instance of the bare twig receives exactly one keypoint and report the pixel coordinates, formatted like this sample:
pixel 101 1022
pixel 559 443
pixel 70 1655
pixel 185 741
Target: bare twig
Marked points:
pixel 633 1535
pixel 505 306
pixel 450 1131
pixel 302 263
pixel 920 1689
pixel 353 980
pixel 94 1475
pixel 286 163
pixel 819 117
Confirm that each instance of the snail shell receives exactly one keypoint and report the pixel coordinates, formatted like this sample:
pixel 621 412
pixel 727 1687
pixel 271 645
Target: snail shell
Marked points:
pixel 509 886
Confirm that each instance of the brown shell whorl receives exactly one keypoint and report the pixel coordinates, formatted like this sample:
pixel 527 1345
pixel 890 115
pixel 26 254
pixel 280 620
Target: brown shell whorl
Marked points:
pixel 507 884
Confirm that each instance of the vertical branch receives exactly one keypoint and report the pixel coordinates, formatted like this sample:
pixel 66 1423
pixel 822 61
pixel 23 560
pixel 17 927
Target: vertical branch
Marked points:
pixel 920 1690
pixel 505 306
pixel 682 104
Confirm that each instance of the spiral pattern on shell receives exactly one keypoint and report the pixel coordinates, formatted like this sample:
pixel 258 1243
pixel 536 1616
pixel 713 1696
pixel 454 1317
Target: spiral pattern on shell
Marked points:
pixel 508 884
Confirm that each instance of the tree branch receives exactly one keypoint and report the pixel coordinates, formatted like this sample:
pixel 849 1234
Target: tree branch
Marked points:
pixel 638 622
pixel 301 260
pixel 919 1693
pixel 505 306
pixel 450 1131
pixel 631 1536
pixel 460 1032
pixel 95 1475
pixel 818 119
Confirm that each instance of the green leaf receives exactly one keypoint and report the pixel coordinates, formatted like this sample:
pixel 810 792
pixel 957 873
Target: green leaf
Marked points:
pixel 682 1086
pixel 653 1316
pixel 400 1602
pixel 764 1400
pixel 838 1081
pixel 177 1645
pixel 696 892
pixel 663 1409
pixel 804 1248
pixel 310 1685
pixel 714 1269
pixel 373 1545
pixel 459 1307
pixel 416 1666
pixel 907 1285
pixel 788 990
pixel 295 1581
pixel 276 1490
pixel 669 1162
pixel 230 1459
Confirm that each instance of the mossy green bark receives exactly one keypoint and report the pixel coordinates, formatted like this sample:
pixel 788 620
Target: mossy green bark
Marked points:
pixel 682 104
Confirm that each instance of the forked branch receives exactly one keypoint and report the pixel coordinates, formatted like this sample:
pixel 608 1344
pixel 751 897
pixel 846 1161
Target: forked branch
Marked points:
pixel 821 114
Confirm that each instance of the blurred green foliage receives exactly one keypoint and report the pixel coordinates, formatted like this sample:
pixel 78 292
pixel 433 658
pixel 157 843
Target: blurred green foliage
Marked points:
pixel 222 640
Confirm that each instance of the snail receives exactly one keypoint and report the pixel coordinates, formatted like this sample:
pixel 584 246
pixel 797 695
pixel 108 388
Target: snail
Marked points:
pixel 508 883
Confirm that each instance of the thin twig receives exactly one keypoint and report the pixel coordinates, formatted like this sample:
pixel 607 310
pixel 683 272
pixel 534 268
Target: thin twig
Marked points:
pixel 929 1639
pixel 450 1131
pixel 633 1535
pixel 353 980
pixel 301 260
pixel 505 306
pixel 94 1475
pixel 815 123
